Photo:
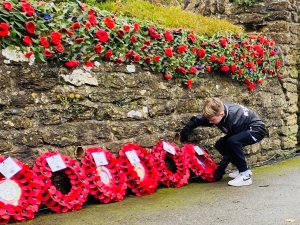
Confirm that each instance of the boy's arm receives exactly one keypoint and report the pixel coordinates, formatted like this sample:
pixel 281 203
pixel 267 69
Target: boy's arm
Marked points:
pixel 194 122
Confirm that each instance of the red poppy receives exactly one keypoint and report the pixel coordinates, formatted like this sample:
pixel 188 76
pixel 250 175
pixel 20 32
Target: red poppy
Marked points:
pixel 221 59
pixel 44 42
pixel 119 60
pixel 27 40
pixel 133 39
pixel 76 25
pixel 136 58
pixel 52 197
pixel 89 64
pixel 60 48
pixel 169 52
pixel 126 28
pixel 241 71
pixel 247 80
pixel 168 76
pixel 156 58
pixel 193 70
pixel 213 58
pixel 138 165
pixel 164 152
pixel 189 84
pixel 251 86
pixel 110 23
pixel 147 59
pixel 147 42
pixel 129 54
pixel 98 48
pixel 28 54
pixel 55 38
pixel 93 20
pixel 168 36
pixel 48 53
pixel 30 27
pixel 223 42
pixel 27 8
pixel 72 63
pixel 200 162
pixel 107 181
pixel 102 35
pixel 108 54
pixel 277 64
pixel 192 37
pixel 201 53
pixel 7 5
pixel 181 69
pixel 4 29
pixel 259 81
pixel 153 33
pixel 79 39
pixel 182 48
pixel 88 25
pixel 233 68
pixel 120 33
pixel 136 27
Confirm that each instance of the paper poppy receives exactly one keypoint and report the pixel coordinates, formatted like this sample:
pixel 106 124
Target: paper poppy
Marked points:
pixel 20 194
pixel 107 181
pixel 200 162
pixel 167 155
pixel 50 163
pixel 138 165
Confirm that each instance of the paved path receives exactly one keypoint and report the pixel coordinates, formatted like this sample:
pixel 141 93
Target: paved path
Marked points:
pixel 274 198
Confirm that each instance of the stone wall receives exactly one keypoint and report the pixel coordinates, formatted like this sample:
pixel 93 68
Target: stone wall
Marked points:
pixel 40 111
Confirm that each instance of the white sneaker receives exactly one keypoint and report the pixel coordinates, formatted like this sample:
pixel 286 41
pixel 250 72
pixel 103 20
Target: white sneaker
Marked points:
pixel 240 180
pixel 235 173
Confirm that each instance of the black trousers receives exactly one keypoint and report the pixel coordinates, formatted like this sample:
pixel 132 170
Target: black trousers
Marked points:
pixel 231 146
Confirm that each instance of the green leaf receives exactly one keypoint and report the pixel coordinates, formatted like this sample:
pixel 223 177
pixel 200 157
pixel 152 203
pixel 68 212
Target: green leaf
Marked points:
pixel 20 17
pixel 41 57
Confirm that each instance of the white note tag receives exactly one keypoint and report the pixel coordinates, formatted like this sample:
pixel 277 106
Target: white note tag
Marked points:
pixel 169 148
pixel 199 150
pixel 56 163
pixel 130 68
pixel 99 158
pixel 132 157
pixel 9 168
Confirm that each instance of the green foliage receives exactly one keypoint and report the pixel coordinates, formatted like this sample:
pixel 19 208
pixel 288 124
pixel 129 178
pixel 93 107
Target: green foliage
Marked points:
pixel 168 17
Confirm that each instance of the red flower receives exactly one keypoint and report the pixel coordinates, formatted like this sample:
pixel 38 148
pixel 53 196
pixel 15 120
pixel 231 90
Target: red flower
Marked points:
pixel 259 81
pixel 72 63
pixel 225 68
pixel 156 58
pixel 213 58
pixel 108 54
pixel 277 63
pixel 192 38
pixel 136 58
pixel 89 64
pixel 241 71
pixel 7 5
pixel 168 76
pixel 168 36
pixel 76 25
pixel 201 53
pixel 48 53
pixel 44 42
pixel 136 27
pixel 237 36
pixel 247 80
pixel 126 28
pixel 222 59
pixel 129 54
pixel 60 48
pixel 208 68
pixel 153 33
pixel 233 68
pixel 223 42
pixel 236 45
pixel 182 48
pixel 120 33
pixel 98 48
pixel 189 83
pixel 148 59
pixel 93 20
pixel 28 54
pixel 27 40
pixel 4 29
pixel 181 69
pixel 102 35
pixel 55 38
pixel 88 25
pixel 119 60
pixel 30 27
pixel 193 70
pixel 147 42
pixel 169 52
pixel 251 86
pixel 110 23
pixel 79 39
pixel 27 8
pixel 133 39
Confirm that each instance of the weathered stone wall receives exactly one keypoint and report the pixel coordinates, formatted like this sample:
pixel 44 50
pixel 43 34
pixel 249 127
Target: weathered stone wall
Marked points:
pixel 39 111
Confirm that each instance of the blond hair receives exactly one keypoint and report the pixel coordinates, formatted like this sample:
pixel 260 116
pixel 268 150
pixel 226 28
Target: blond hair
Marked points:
pixel 212 107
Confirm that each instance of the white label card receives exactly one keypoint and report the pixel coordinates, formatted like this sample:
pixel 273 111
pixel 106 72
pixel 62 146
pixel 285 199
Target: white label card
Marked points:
pixel 130 68
pixel 132 157
pixel 99 158
pixel 169 148
pixel 9 168
pixel 199 150
pixel 56 163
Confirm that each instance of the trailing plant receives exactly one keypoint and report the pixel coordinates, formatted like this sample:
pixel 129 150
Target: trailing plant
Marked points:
pixel 76 34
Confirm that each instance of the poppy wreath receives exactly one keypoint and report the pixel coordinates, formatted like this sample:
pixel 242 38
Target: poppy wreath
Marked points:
pixel 52 197
pixel 162 151
pixel 200 162
pixel 20 196
pixel 138 165
pixel 107 181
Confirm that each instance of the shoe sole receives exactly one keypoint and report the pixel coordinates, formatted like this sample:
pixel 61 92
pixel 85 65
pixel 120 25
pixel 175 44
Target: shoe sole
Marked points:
pixel 240 185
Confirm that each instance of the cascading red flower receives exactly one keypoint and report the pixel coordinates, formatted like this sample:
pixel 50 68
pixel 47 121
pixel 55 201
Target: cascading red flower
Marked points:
pixel 4 29
pixel 55 38
pixel 30 27
pixel 27 40
pixel 20 195
pixel 52 197
pixel 200 162
pixel 72 63
pixel 7 5
pixel 163 151
pixel 44 42
pixel 27 8
pixel 102 35
pixel 107 180
pixel 138 165
pixel 110 23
